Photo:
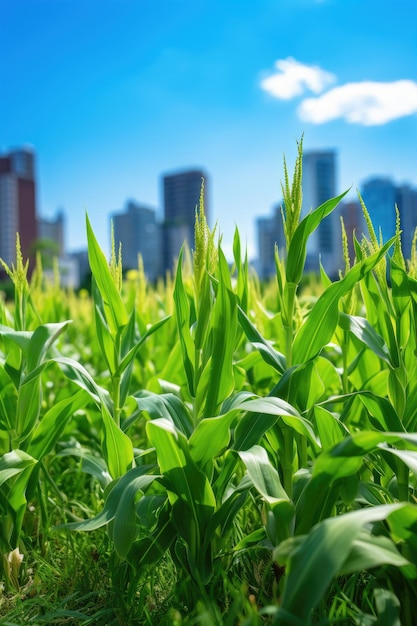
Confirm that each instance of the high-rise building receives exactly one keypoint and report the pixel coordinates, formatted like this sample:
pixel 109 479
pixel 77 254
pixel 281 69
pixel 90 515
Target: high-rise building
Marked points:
pixel 407 206
pixel 354 221
pixel 54 230
pixel 17 203
pixel 80 258
pixel 181 199
pixel 379 196
pixel 138 231
pixel 319 185
pixel 270 232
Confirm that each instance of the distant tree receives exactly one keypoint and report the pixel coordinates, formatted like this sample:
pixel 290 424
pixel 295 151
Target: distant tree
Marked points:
pixel 48 249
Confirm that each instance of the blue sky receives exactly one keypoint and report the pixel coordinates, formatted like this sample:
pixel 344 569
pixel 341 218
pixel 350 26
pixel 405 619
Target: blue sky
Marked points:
pixel 114 93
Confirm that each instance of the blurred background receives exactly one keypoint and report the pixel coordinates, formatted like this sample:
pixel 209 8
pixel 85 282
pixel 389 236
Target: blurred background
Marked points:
pixel 121 107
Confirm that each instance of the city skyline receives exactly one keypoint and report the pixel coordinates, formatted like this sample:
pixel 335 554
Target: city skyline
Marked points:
pixel 326 157
pixel 112 94
pixel 138 229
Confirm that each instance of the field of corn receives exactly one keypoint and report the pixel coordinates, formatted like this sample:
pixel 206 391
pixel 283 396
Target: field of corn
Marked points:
pixel 210 449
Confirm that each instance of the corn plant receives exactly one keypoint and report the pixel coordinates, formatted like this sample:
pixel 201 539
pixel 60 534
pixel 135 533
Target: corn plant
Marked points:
pixel 295 505
pixel 28 433
pixel 229 427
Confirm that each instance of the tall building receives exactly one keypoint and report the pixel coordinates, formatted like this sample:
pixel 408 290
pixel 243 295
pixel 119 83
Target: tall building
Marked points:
pixel 138 231
pixel 407 206
pixel 269 232
pixel 17 203
pixel 319 185
pixel 379 196
pixel 54 230
pixel 181 199
pixel 80 258
pixel 354 222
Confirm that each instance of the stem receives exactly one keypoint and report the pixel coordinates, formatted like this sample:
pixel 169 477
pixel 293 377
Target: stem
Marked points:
pixel 197 361
pixel 345 383
pixel 116 378
pixel 402 481
pixel 289 321
pixel 287 460
pixel 116 399
pixel 302 450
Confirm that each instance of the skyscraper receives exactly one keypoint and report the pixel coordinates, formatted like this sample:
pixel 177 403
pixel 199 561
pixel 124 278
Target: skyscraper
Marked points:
pixel 319 185
pixel 138 231
pixel 407 206
pixel 181 198
pixel 53 229
pixel 354 221
pixel 379 196
pixel 17 203
pixel 270 232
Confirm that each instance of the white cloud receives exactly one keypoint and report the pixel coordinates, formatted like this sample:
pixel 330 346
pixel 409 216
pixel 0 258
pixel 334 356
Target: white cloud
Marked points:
pixel 293 78
pixel 365 103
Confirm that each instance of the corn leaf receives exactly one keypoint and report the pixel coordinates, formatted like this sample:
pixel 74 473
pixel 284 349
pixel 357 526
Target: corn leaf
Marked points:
pixel 116 446
pixel 114 307
pixel 134 481
pixel 268 353
pixel 182 309
pixel 320 557
pixel 298 246
pixel 362 329
pixel 210 437
pixel 165 405
pixel 319 327
pixel 262 414
pixel 13 463
pixel 388 607
pixel 53 423
pixel 224 328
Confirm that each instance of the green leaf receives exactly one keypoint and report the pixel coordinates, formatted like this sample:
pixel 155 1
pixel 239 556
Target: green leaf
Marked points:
pixel 321 556
pixel 242 272
pixel 268 353
pixel 150 549
pixel 264 477
pixel 388 608
pixel 19 337
pixel 8 401
pixel 262 414
pixel 134 481
pixel 224 327
pixel 104 336
pixel 211 437
pixel 53 423
pixel 319 327
pixel 409 457
pixel 368 551
pixel 362 329
pixel 182 309
pixel 383 413
pixel 174 459
pixel 90 464
pixel 41 340
pixel 13 463
pixel 114 308
pixel 165 405
pixel 298 246
pixel 329 428
pixel 400 288
pixel 190 494
pixel 116 446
